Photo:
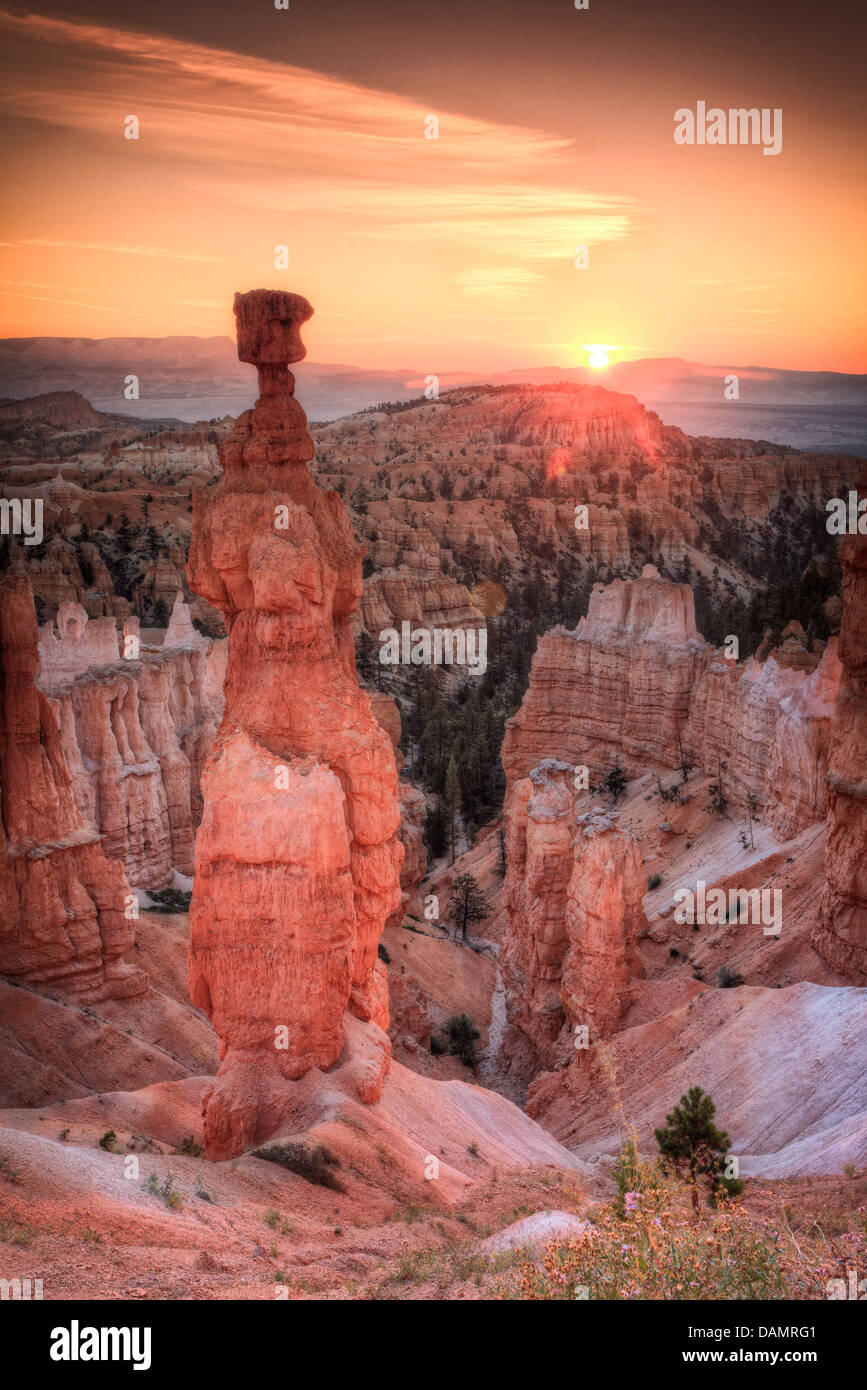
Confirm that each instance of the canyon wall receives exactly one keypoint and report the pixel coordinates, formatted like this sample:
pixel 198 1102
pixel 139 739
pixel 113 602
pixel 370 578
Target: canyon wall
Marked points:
pixel 572 896
pixel 62 899
pixel 841 933
pixel 136 736
pixel 635 684
pixel 70 643
pixel 298 857
pixel 135 732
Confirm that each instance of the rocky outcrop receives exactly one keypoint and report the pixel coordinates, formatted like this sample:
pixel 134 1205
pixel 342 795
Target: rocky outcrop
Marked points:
pixel 429 600
pixel 180 631
pixel 410 579
pixel 635 684
pixel 298 858
pixel 409 1016
pixel 572 896
pixel 841 933
pixel 136 736
pixel 71 643
pixel 56 575
pixel 617 688
pixel 67 410
pixel 65 907
pixel 136 731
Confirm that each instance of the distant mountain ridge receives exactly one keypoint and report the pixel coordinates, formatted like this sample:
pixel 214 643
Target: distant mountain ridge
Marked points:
pixel 192 378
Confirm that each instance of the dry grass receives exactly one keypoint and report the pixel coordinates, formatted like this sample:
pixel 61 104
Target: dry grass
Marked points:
pixel 671 1245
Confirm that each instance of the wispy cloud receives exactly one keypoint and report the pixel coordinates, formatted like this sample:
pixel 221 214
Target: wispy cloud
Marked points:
pixel 74 303
pixel 498 282
pixel 156 252
pixel 273 136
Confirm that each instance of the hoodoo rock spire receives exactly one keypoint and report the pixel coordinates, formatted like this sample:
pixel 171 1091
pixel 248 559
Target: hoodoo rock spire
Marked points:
pixel 298 857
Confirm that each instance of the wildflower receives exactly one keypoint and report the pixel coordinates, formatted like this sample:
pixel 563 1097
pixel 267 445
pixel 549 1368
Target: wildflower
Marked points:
pixel 631 1201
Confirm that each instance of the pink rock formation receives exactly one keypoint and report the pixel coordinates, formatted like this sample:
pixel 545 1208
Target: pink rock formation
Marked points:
pixel 180 631
pixel 841 933
pixel 618 687
pixel 572 895
pixel 71 643
pixel 636 684
pixel 410 1021
pixel 135 732
pixel 298 858
pixel 62 901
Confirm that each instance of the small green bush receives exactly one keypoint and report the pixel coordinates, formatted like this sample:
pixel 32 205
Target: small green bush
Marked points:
pixel 313 1162
pixel 190 1148
pixel 729 978
pixel 463 1036
pixel 169 900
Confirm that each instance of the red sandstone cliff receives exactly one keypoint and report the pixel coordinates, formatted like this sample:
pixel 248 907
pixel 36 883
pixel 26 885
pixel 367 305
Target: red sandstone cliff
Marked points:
pixel 572 895
pixel 136 724
pixel 841 933
pixel 62 901
pixel 636 684
pixel 297 859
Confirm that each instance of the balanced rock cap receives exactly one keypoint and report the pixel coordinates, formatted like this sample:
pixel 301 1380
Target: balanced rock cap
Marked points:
pixel 268 327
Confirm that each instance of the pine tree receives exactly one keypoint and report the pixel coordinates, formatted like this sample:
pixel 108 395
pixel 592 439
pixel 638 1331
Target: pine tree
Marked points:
pixel 692 1141
pixel 615 782
pixel 435 831
pixel 451 796
pixel 462 1039
pixel 467 903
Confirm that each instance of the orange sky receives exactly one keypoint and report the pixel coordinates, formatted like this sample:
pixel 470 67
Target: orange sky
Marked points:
pixel 454 253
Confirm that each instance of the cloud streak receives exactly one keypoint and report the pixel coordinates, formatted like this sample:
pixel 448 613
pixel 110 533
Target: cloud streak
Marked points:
pixel 272 136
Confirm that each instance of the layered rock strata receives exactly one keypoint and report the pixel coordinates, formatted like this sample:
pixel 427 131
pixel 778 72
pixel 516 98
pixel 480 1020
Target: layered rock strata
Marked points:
pixel 136 736
pixel 65 907
pixel 572 895
pixel 635 684
pixel 71 643
pixel 841 933
pixel 136 731
pixel 298 857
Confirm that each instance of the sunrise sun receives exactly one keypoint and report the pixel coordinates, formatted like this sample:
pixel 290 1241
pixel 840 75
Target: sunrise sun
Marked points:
pixel 599 353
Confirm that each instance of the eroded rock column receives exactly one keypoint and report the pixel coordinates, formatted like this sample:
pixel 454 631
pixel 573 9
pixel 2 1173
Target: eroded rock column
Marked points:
pixel 572 894
pixel 841 932
pixel 297 858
